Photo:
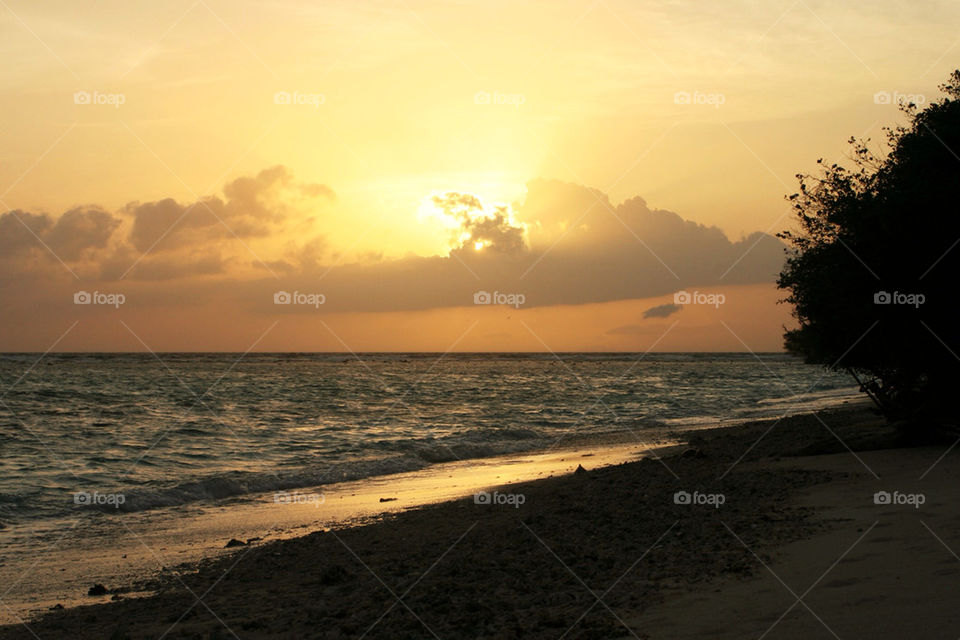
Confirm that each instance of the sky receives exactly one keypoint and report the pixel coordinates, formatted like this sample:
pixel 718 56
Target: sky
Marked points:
pixel 304 176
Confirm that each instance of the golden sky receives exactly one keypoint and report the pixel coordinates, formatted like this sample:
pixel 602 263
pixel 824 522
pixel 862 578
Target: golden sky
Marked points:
pixel 595 157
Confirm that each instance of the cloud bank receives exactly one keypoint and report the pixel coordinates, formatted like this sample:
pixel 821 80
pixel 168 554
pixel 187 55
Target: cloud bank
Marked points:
pixel 565 244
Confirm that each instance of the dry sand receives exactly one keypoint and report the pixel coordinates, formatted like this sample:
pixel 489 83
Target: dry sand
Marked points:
pixel 884 571
pixel 606 554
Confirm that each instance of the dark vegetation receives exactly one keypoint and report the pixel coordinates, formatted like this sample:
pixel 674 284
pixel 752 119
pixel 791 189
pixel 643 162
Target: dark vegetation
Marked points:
pixel 873 269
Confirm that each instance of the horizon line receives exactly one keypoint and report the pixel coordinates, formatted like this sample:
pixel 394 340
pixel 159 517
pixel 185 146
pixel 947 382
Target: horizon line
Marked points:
pixel 443 353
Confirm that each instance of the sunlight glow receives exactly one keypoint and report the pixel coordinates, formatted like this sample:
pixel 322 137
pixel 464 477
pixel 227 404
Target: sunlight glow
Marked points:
pixel 455 215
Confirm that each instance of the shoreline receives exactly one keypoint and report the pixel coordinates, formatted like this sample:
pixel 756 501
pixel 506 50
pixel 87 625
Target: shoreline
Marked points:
pixel 651 483
pixel 148 545
pixel 151 545
pixel 223 485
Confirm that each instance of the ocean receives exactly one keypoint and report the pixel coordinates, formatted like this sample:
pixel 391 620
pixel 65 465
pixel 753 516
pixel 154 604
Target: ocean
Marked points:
pixel 121 433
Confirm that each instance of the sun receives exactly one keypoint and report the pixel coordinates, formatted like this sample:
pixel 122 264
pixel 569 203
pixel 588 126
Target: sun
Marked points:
pixel 466 219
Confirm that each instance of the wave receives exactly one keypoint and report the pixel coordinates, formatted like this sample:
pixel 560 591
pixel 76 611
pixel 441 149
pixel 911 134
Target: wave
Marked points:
pixel 238 483
pixel 414 456
pixel 285 421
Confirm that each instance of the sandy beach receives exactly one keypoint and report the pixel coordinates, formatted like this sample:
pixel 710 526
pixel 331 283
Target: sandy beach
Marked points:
pixel 776 512
pixel 470 320
pixel 56 562
pixel 881 571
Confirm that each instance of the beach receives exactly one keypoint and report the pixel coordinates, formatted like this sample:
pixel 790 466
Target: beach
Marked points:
pixel 55 562
pixel 124 485
pixel 461 320
pixel 882 571
pixel 694 542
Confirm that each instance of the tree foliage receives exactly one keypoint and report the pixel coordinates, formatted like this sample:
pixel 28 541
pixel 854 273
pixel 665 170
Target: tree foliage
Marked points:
pixel 872 272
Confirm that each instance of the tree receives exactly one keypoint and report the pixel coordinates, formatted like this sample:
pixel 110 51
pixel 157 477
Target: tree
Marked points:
pixel 872 272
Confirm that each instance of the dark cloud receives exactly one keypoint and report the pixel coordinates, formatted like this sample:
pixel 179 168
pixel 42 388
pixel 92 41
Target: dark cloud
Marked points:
pixel 662 311
pixel 81 229
pixel 19 231
pixel 70 236
pixel 493 230
pixel 166 224
pixel 569 220
pixel 597 251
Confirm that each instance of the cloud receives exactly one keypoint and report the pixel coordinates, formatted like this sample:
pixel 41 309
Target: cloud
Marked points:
pixel 70 236
pixel 19 231
pixel 662 311
pixel 570 220
pixel 659 311
pixel 81 229
pixel 479 226
pixel 565 244
pixel 495 231
pixel 255 206
pixel 169 240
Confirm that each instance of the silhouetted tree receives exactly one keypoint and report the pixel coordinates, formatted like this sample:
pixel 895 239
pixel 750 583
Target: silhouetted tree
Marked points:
pixel 873 270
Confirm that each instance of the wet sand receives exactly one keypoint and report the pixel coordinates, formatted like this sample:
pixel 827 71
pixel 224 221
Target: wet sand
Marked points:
pixel 613 552
pixel 133 548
